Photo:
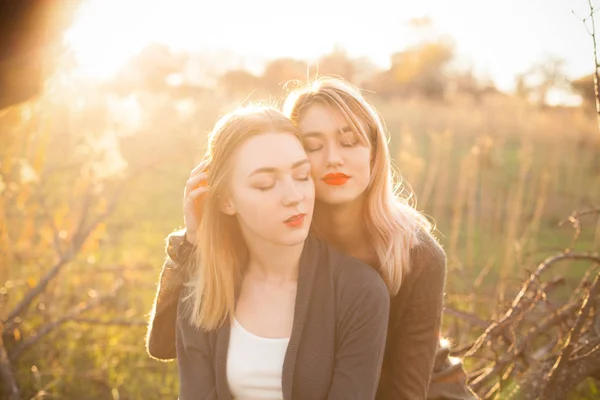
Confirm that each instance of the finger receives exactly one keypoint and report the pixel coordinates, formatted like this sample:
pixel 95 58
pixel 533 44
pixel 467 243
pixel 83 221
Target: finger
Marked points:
pixel 190 201
pixel 197 193
pixel 202 167
pixel 196 181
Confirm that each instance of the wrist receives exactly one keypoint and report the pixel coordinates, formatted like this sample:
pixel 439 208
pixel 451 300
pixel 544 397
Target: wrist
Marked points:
pixel 186 248
pixel 179 248
pixel 189 239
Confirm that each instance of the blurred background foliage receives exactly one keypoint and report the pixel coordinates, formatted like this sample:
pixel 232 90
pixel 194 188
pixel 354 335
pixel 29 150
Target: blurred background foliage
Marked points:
pixel 92 174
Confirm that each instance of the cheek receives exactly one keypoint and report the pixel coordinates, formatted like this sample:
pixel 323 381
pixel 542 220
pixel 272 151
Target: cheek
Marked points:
pixel 361 161
pixel 308 190
pixel 248 202
pixel 256 213
pixel 315 160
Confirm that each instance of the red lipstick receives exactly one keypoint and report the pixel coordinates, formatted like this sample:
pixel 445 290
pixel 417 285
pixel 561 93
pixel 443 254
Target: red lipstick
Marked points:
pixel 337 179
pixel 295 220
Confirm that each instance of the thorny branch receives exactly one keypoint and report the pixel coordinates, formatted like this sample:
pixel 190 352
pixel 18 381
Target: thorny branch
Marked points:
pixel 522 303
pixel 551 348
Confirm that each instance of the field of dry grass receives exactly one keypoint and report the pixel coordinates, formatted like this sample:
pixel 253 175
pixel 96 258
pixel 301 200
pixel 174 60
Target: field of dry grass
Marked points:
pixel 497 177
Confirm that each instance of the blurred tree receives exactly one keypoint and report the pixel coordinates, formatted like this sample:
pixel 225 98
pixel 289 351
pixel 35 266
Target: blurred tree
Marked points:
pixel 417 71
pixel 153 69
pixel 280 71
pixel 584 87
pixel 536 83
pixel 465 84
pixel 239 83
pixel 62 181
pixel 364 71
pixel 337 63
pixel 522 89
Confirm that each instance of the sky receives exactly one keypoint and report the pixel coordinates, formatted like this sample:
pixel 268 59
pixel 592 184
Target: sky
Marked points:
pixel 499 38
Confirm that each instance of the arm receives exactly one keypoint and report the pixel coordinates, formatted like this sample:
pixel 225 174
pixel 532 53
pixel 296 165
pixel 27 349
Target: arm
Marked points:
pixel 417 334
pixel 363 330
pixel 160 338
pixel 449 379
pixel 195 366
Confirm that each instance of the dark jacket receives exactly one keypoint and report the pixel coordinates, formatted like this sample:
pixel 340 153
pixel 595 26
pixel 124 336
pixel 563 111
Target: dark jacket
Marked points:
pixel 337 341
pixel 412 339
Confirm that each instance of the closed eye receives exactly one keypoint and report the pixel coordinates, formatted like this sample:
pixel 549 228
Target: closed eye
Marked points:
pixel 349 139
pixel 265 188
pixel 350 144
pixel 313 149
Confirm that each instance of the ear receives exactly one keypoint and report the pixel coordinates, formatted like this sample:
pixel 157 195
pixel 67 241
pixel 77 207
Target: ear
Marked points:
pixel 227 206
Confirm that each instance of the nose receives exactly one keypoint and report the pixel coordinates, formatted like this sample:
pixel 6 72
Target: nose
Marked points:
pixel 292 193
pixel 333 156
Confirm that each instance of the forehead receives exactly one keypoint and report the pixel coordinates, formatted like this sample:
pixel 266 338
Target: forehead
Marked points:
pixel 326 120
pixel 268 150
pixel 322 118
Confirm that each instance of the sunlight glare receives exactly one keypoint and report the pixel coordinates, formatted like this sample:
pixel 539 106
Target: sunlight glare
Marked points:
pixel 106 34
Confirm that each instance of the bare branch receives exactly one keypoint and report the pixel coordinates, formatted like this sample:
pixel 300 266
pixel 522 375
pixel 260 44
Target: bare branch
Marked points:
pixel 114 322
pixel 39 288
pixel 55 231
pixel 596 65
pixel 519 305
pixel 574 334
pixel 579 214
pixel 79 238
pixel 470 318
pixel 71 315
pixel 575 220
pixel 538 330
pixel 9 382
pixel 565 379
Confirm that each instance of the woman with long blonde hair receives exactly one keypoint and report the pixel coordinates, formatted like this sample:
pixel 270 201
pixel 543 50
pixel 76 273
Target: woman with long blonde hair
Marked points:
pixel 270 312
pixel 362 210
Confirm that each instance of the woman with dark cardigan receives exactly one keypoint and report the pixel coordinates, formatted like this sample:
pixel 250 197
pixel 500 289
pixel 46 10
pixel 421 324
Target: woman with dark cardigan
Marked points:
pixel 268 312
pixel 360 212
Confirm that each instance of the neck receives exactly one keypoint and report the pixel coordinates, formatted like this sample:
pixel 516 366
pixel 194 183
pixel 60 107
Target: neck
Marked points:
pixel 343 225
pixel 273 262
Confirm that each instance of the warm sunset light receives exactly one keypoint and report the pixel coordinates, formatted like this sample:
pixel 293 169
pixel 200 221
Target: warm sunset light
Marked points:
pixel 193 181
pixel 107 33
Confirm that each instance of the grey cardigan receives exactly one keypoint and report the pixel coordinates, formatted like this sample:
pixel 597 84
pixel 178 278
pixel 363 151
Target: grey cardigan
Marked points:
pixel 412 339
pixel 337 342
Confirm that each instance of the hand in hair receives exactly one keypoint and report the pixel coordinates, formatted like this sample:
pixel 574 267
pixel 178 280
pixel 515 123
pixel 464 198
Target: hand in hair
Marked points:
pixel 193 199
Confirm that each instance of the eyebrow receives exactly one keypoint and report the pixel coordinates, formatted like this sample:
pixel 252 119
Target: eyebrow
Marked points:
pixel 345 129
pixel 271 170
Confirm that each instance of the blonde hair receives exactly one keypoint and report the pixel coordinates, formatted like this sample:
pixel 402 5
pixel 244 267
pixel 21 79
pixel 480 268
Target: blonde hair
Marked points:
pixel 392 222
pixel 218 265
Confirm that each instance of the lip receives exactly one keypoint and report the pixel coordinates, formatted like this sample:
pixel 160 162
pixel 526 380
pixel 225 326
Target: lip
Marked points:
pixel 295 220
pixel 337 179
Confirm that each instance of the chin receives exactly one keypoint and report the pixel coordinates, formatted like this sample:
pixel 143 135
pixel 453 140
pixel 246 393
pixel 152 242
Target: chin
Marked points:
pixel 294 238
pixel 337 198
pixel 338 195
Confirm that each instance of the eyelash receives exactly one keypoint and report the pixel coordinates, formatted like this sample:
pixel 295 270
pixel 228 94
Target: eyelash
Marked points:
pixel 343 145
pixel 264 189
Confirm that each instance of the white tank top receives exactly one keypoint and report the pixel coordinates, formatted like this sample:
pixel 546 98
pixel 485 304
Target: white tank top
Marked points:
pixel 254 365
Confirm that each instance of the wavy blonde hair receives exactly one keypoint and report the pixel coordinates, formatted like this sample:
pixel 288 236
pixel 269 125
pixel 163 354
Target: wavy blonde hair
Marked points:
pixel 391 220
pixel 218 266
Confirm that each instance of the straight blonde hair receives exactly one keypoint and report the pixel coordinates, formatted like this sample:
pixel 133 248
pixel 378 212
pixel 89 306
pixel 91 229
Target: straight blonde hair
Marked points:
pixel 218 265
pixel 393 224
